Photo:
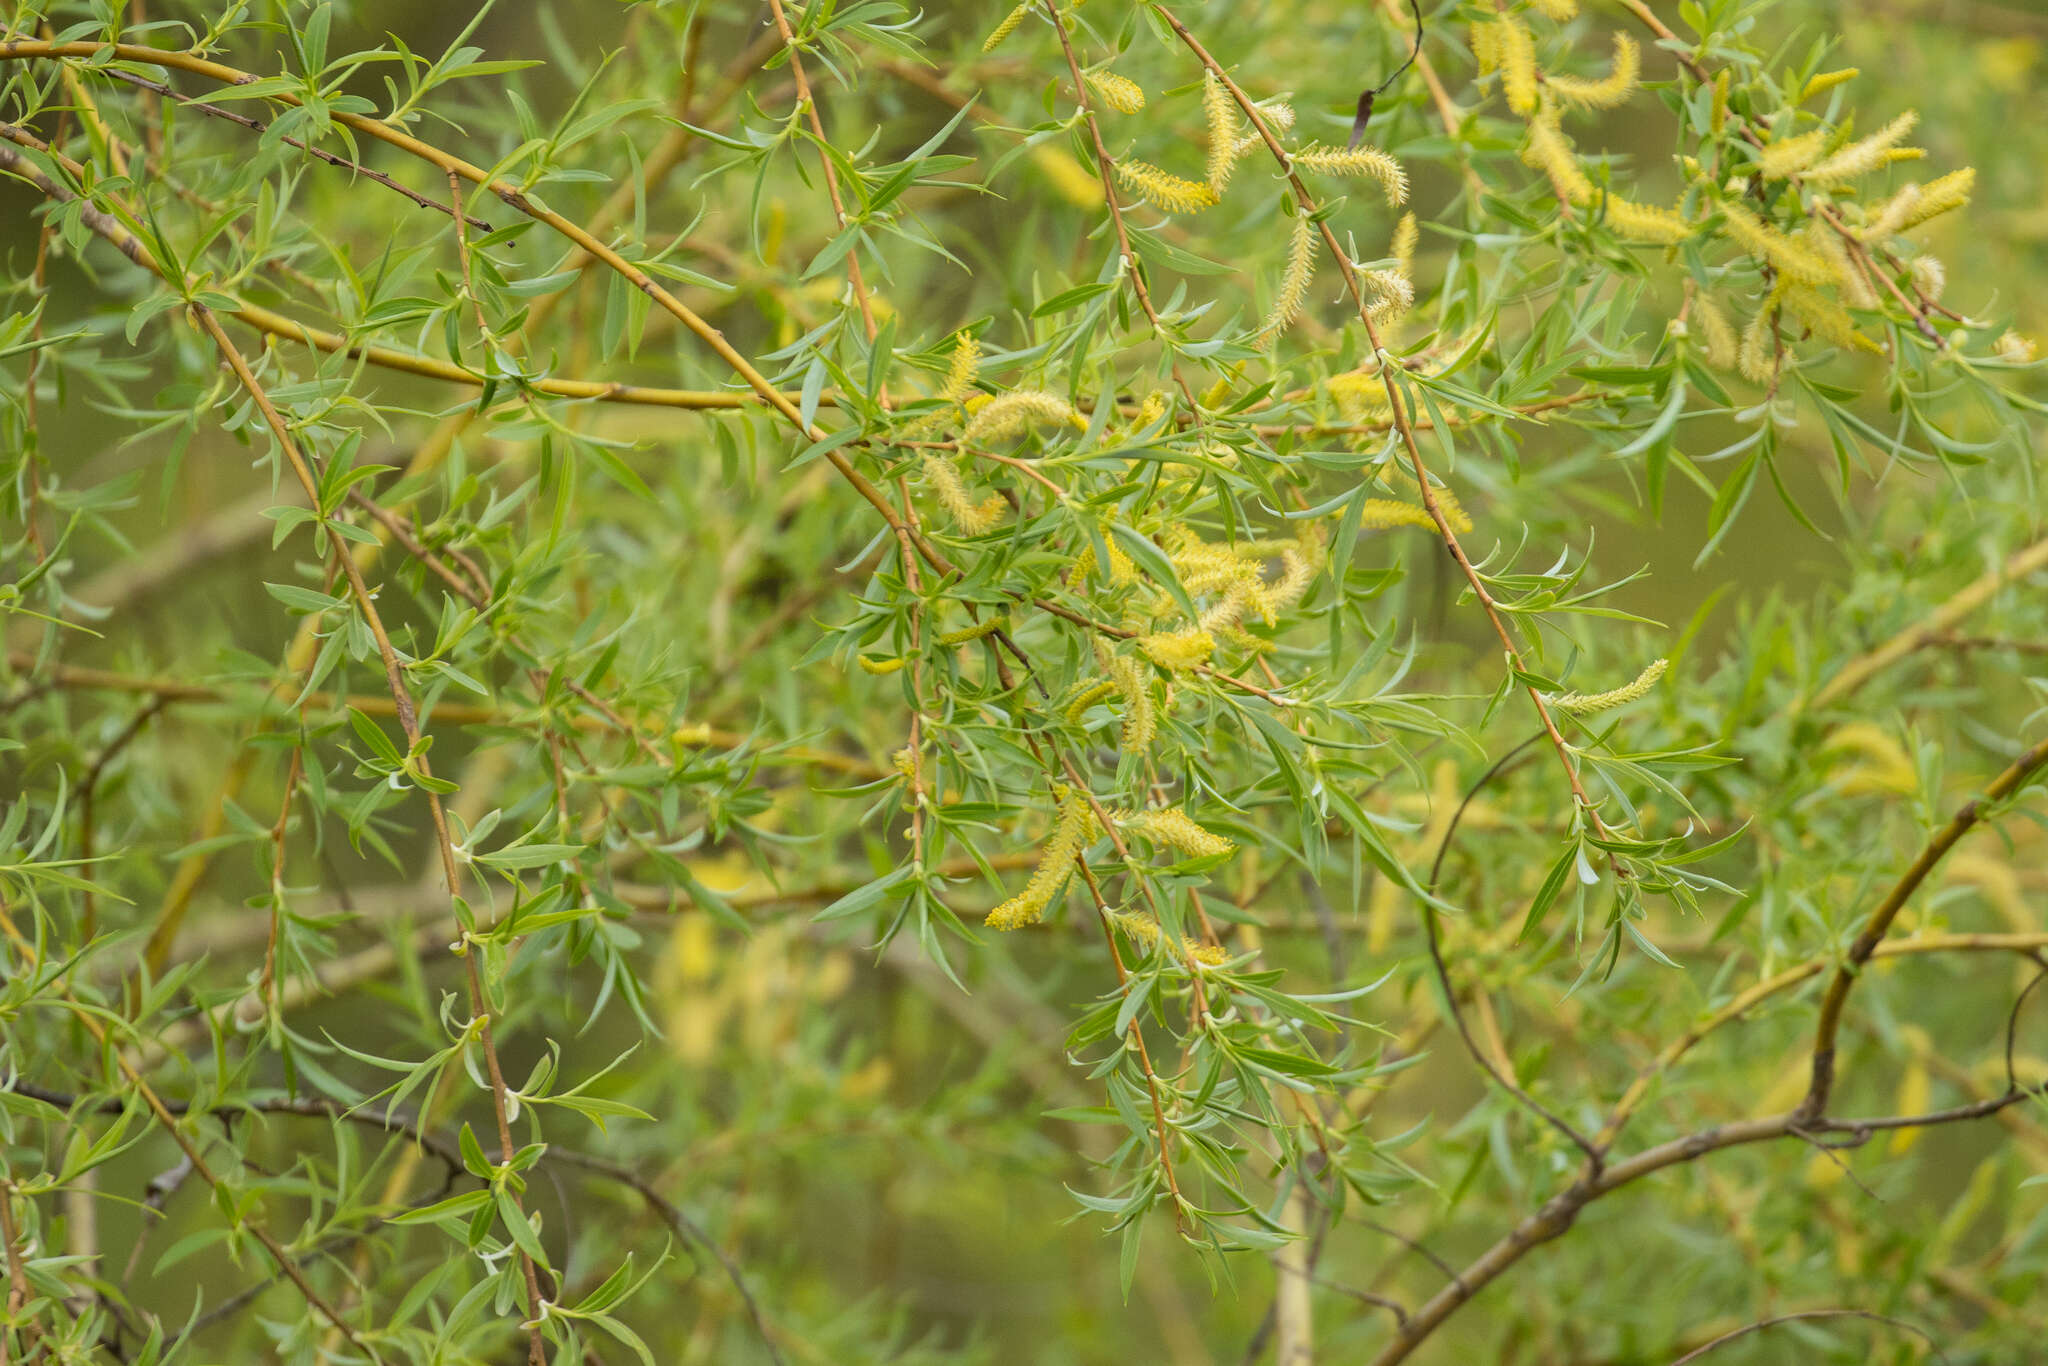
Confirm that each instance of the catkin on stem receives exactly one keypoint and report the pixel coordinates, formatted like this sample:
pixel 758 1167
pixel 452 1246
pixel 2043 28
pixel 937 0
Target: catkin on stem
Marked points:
pixel 1221 114
pixel 1012 414
pixel 1789 156
pixel 1357 161
pixel 1120 93
pixel 945 483
pixel 1791 259
pixel 1610 90
pixel 1175 829
pixel 1581 703
pixel 1162 189
pixel 1718 332
pixel 1070 834
pixel 1134 686
pixel 1294 280
pixel 1861 157
pixel 1516 50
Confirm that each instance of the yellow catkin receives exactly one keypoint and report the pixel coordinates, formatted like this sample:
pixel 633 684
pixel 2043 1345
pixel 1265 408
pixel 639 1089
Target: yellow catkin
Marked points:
pixel 1221 114
pixel 1205 568
pixel 1717 116
pixel 1645 222
pixel 1517 54
pixel 975 632
pixel 1559 10
pixel 1277 115
pixel 1070 180
pixel 1766 243
pixel 945 483
pixel 1150 411
pixel 1789 156
pixel 960 374
pixel 871 665
pixel 1825 318
pixel 1358 161
pixel 1547 150
pixel 1162 189
pixel 1384 514
pixel 1888 219
pixel 1406 234
pixel 1717 331
pixel 1826 81
pixel 1392 294
pixel 1007 27
pixel 1122 568
pixel 1825 242
pixel 1610 90
pixel 1294 281
pixel 1758 356
pixel 1486 46
pixel 1141 721
pixel 1087 698
pixel 1144 929
pixel 1175 829
pixel 1860 157
pixel 1239 602
pixel 1014 413
pixel 1069 834
pixel 1613 697
pixel 1120 93
pixel 1930 276
pixel 2015 349
pixel 1361 398
pixel 1178 650
pixel 1941 196
pixel 1442 494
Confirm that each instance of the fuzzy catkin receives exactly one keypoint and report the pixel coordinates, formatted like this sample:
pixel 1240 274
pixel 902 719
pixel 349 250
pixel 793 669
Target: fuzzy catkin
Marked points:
pixel 1076 823
pixel 1645 222
pixel 1162 189
pixel 1516 50
pixel 1789 156
pixel 1791 259
pixel 960 374
pixel 1140 720
pixel 1144 929
pixel 1221 115
pixel 1547 150
pixel 1937 197
pixel 1581 703
pixel 1863 156
pixel 1718 332
pixel 1406 234
pixel 1294 280
pixel 945 483
pixel 1610 90
pixel 1174 828
pixel 1358 161
pixel 1176 651
pixel 1825 318
pixel 1120 93
pixel 1012 414
pixel 1758 356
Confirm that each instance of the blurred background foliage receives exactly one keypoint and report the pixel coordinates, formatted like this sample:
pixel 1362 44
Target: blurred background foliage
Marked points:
pixel 884 1157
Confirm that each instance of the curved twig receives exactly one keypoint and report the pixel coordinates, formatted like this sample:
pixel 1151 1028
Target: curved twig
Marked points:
pixel 1761 1324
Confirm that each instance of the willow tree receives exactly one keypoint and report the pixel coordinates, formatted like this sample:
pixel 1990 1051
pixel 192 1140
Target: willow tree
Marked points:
pixel 719 696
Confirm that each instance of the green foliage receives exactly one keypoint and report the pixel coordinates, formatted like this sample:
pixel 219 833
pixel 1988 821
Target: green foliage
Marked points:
pixel 885 685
